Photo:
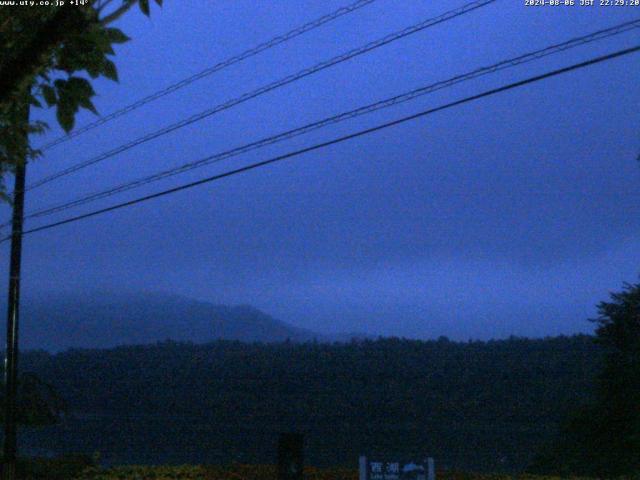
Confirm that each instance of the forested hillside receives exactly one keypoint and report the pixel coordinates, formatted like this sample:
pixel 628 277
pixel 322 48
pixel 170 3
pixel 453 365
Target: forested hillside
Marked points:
pixel 477 405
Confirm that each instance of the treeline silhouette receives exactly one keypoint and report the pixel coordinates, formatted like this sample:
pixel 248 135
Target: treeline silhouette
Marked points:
pixel 476 405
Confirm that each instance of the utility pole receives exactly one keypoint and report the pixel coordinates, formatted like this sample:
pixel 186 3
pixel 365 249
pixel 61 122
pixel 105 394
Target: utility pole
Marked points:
pixel 11 354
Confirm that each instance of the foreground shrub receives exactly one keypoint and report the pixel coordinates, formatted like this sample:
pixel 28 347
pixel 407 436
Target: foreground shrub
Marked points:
pixel 61 468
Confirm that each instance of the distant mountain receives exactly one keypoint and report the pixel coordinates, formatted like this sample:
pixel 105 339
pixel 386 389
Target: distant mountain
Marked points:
pixel 62 322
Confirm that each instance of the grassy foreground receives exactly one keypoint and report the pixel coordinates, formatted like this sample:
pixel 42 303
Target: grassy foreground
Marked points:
pixel 83 468
pixel 256 472
pixel 187 472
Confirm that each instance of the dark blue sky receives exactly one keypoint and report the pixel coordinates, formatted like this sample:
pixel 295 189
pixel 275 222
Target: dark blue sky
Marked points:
pixel 515 214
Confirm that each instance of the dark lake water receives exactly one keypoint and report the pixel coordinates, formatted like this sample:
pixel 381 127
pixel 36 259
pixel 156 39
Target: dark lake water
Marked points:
pixel 170 439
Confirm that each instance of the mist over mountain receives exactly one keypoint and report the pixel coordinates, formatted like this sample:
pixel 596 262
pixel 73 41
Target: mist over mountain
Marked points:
pixel 60 322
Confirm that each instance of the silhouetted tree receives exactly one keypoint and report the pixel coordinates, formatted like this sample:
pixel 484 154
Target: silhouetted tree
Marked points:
pixel 603 438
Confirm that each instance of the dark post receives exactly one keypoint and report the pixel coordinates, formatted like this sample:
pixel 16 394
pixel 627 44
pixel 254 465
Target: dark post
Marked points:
pixel 11 354
pixel 290 456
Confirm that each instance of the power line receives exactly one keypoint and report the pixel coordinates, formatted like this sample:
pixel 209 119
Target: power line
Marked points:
pixel 213 69
pixel 267 88
pixel 519 60
pixel 351 136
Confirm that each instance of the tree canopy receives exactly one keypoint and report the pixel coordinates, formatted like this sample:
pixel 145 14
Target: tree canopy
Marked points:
pixel 48 57
pixel 603 438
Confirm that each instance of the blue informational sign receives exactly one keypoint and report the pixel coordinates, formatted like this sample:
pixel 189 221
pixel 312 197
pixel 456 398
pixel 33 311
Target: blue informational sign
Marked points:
pixel 377 469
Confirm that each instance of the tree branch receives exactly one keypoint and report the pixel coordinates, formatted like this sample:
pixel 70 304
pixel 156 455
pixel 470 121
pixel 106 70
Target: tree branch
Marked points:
pixel 24 66
pixel 116 14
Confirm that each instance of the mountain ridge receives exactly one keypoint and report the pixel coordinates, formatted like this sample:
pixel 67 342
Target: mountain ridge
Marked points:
pixel 60 322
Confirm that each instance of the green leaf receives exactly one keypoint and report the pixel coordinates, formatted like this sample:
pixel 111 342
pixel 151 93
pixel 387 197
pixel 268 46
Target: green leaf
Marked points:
pixel 60 85
pixel 49 95
pixel 72 94
pixel 144 7
pixel 103 43
pixel 66 117
pixel 93 70
pixel 78 94
pixel 109 70
pixel 86 103
pixel 80 87
pixel 115 35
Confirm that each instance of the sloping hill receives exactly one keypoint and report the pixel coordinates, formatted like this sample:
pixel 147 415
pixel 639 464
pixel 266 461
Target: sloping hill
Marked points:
pixel 58 323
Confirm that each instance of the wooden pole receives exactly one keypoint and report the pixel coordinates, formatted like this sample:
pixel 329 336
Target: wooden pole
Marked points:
pixel 13 311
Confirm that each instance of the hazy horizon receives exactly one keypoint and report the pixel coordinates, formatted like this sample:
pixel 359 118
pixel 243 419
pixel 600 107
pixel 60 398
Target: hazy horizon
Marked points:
pixel 82 305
